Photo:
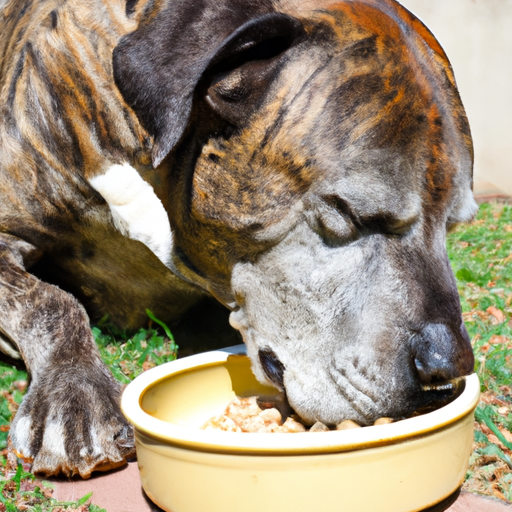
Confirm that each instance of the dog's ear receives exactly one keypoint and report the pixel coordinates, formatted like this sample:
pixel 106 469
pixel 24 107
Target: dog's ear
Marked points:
pixel 242 69
pixel 158 67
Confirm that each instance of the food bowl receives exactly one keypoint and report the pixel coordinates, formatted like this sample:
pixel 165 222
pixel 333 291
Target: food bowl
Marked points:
pixel 400 467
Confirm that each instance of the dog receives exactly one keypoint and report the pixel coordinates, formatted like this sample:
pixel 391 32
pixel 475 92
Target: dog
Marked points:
pixel 298 160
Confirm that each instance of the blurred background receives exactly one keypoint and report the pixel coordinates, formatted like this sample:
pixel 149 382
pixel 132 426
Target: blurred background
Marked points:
pixel 477 36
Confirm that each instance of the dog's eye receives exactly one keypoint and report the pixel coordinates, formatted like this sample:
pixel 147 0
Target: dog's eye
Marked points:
pixel 381 223
pixel 332 219
pixel 337 223
pixel 385 225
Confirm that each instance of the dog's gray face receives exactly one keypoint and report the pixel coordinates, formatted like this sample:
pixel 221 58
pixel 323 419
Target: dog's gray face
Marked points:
pixel 353 331
pixel 311 192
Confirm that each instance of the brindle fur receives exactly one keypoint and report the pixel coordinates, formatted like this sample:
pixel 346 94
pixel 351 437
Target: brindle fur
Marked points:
pixel 310 157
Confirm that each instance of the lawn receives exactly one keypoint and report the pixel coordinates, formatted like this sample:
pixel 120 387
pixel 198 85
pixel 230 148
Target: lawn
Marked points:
pixel 481 256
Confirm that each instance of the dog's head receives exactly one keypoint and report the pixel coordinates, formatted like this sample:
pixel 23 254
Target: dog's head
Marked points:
pixel 319 155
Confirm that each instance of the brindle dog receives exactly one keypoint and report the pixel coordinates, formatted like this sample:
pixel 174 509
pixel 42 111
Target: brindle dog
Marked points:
pixel 298 160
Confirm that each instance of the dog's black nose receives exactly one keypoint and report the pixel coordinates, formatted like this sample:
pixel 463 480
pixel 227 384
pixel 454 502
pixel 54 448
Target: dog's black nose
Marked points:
pixel 442 354
pixel 272 367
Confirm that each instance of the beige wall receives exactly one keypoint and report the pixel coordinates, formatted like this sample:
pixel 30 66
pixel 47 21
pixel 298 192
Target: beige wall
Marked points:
pixel 477 36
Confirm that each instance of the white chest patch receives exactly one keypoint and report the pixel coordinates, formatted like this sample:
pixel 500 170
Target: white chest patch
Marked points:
pixel 137 211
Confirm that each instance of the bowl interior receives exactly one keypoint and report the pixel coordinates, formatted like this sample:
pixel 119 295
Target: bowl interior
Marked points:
pixel 191 397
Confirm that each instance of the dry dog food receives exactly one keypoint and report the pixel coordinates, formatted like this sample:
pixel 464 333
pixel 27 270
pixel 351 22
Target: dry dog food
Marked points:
pixel 263 414
pixel 252 414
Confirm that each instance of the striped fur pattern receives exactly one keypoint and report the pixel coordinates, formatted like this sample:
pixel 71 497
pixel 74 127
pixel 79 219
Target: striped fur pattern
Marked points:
pixel 62 121
pixel 298 160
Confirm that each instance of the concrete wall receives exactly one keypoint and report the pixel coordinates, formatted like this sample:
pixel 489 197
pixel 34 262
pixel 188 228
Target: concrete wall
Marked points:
pixel 477 36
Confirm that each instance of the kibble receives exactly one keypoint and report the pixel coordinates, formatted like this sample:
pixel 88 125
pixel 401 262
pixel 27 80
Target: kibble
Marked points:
pixel 383 421
pixel 247 415
pixel 319 427
pixel 347 425
pixel 264 414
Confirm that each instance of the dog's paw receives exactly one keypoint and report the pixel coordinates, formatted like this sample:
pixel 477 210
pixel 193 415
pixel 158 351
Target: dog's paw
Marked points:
pixel 70 423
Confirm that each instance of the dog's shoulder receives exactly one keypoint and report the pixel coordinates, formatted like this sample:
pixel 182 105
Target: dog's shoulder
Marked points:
pixel 62 119
pixel 58 96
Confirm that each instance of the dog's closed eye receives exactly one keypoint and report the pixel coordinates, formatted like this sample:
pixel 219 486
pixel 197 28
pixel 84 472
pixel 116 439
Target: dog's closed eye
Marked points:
pixel 333 219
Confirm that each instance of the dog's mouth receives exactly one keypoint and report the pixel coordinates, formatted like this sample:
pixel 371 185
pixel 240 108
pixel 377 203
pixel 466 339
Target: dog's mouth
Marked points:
pixel 438 395
pixel 451 386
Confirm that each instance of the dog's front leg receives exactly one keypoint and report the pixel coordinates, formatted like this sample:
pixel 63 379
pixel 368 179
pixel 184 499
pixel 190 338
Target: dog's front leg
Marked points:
pixel 69 421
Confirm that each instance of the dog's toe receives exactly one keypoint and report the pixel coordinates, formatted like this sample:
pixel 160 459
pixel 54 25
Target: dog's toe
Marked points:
pixel 103 454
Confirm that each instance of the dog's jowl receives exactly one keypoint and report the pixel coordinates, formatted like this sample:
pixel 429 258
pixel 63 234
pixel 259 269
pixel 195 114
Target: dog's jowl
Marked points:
pixel 300 161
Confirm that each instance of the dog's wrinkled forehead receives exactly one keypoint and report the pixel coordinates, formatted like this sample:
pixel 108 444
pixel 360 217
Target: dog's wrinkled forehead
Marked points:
pixel 354 107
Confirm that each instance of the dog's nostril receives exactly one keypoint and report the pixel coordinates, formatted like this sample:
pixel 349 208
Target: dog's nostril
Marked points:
pixel 272 367
pixel 441 355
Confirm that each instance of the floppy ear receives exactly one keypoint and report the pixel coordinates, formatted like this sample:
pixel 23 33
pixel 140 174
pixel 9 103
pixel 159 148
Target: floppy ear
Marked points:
pixel 158 67
pixel 239 74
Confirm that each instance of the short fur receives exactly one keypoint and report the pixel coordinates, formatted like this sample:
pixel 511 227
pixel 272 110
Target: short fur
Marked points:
pixel 310 156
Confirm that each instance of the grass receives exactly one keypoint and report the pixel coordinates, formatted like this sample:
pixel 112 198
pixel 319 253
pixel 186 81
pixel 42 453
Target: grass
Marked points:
pixel 481 256
pixel 128 356
pixel 23 492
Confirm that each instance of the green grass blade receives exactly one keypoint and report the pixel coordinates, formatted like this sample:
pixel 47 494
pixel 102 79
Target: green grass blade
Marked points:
pixel 482 416
pixel 84 499
pixel 161 324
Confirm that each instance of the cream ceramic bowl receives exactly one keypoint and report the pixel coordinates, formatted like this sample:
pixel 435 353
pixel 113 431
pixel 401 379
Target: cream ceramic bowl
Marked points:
pixel 401 467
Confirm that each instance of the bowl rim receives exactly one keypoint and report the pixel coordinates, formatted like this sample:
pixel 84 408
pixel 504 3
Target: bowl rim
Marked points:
pixel 279 443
